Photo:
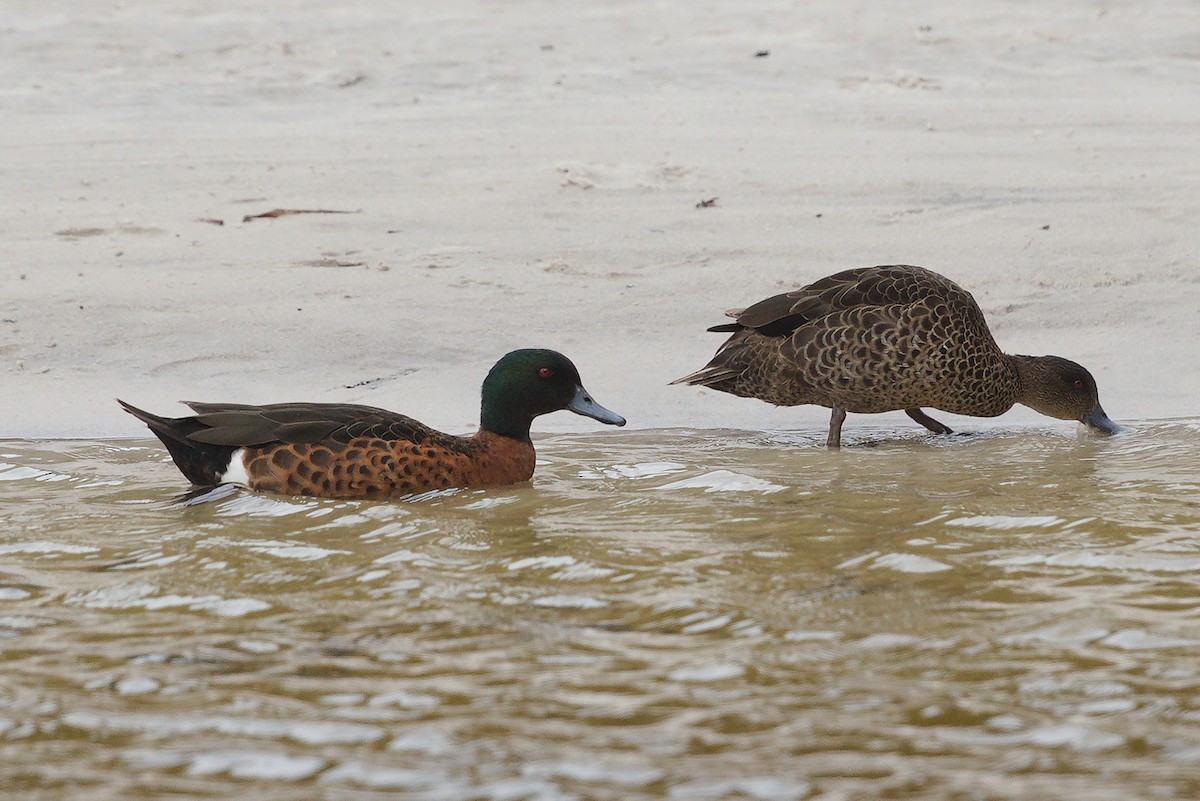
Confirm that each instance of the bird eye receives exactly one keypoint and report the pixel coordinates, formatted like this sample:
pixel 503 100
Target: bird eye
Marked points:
pixel 1078 384
pixel 545 372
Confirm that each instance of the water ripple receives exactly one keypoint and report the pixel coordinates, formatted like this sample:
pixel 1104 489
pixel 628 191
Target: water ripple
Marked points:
pixel 679 614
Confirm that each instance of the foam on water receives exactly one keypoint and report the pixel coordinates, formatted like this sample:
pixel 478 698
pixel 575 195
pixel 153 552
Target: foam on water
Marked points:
pixel 407 700
pixel 373 575
pixel 137 686
pixel 596 773
pixel 541 561
pixel 23 621
pixel 380 777
pixel 240 764
pixel 706 673
pixel 887 640
pixel 758 788
pixel 570 602
pixel 1006 522
pixel 49 548
pixel 261 765
pixel 289 550
pixel 12 472
pixel 425 740
pixel 908 563
pixel 634 471
pixel 143 596
pixel 801 635
pixel 1138 640
pixel 401 556
pixel 249 504
pixel 724 481
pixel 315 732
pixel 489 503
pixel 1068 634
pixel 1104 561
pixel 1077 738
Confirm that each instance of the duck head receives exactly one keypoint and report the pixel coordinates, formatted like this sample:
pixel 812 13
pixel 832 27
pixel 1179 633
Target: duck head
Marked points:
pixel 1062 389
pixel 531 382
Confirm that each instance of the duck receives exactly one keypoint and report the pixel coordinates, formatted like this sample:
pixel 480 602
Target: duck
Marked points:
pixel 343 450
pixel 885 338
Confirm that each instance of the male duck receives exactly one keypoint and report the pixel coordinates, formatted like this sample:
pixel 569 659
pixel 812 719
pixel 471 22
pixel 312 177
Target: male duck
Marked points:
pixel 877 339
pixel 336 450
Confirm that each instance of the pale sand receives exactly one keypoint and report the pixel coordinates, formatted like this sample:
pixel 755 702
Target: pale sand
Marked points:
pixel 527 173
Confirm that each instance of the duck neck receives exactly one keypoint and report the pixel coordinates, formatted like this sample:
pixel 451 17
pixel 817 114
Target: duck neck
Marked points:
pixel 503 419
pixel 1032 374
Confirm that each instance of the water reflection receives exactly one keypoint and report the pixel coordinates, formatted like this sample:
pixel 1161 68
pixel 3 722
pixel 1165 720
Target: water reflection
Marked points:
pixel 687 614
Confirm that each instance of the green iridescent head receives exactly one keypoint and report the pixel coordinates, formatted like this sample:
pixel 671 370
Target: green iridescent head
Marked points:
pixel 531 382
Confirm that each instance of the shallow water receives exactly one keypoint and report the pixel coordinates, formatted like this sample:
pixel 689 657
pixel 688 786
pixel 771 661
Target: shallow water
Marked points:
pixel 673 614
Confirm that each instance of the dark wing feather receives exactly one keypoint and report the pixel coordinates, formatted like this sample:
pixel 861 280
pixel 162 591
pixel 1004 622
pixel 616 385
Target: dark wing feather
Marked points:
pixel 770 313
pixel 234 436
pixel 865 324
pixel 781 315
pixel 241 425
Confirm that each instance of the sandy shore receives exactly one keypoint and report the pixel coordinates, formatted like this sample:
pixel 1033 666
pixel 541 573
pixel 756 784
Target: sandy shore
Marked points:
pixel 528 173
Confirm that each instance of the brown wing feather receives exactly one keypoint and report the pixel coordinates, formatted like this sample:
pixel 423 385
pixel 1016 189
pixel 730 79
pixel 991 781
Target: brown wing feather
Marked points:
pixel 869 339
pixel 780 315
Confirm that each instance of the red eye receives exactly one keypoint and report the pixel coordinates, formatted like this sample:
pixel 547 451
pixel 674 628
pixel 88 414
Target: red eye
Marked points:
pixel 545 372
pixel 1078 384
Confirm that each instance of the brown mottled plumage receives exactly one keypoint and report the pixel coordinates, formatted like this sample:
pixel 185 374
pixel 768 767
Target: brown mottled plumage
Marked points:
pixel 878 339
pixel 367 466
pixel 351 451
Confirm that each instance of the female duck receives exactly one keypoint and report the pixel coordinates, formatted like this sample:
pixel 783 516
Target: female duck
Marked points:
pixel 336 450
pixel 877 339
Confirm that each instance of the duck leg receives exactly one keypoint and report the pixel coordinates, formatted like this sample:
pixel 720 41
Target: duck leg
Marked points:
pixel 928 422
pixel 835 427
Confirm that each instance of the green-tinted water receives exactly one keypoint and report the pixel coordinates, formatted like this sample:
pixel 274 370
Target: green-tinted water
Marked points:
pixel 691 615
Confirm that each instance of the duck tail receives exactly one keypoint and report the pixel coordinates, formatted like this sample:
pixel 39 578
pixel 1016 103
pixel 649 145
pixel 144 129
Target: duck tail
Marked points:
pixel 707 376
pixel 201 463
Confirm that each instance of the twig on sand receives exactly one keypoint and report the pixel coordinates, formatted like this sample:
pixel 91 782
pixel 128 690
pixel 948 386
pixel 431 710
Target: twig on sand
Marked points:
pixel 284 212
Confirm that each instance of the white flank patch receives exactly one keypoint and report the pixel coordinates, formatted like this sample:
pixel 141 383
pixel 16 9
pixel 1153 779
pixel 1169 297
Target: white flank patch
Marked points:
pixel 236 472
